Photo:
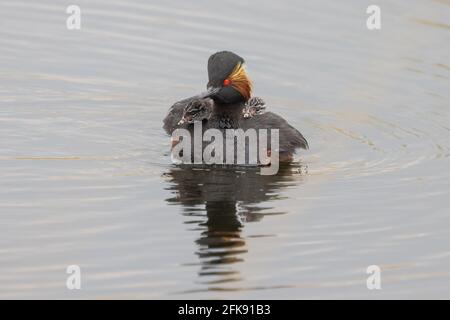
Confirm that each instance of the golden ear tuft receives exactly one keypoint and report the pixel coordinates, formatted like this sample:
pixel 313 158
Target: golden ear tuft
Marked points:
pixel 241 82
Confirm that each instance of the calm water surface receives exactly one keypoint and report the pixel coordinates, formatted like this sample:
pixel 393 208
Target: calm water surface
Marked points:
pixel 86 178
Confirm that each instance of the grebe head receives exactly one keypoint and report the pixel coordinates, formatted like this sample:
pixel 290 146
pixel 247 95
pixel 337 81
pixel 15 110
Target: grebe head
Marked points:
pixel 228 82
pixel 254 106
pixel 196 110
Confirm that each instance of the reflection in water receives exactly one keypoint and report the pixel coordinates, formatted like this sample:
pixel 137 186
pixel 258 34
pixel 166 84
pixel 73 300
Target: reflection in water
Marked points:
pixel 230 198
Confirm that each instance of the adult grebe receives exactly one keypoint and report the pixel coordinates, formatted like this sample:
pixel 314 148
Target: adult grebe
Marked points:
pixel 229 88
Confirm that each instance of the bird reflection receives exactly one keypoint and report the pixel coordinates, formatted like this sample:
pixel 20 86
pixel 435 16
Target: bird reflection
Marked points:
pixel 219 202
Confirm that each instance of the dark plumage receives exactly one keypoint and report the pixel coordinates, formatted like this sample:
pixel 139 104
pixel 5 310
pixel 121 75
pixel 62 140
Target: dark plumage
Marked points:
pixel 197 110
pixel 290 138
pixel 229 88
pixel 175 114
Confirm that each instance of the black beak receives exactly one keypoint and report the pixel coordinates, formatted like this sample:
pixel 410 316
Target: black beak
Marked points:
pixel 207 94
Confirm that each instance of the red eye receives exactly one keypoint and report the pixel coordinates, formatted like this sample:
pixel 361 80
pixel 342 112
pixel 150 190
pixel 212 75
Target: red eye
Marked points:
pixel 226 82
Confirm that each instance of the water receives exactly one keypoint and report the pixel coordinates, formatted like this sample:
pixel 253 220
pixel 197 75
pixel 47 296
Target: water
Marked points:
pixel 86 178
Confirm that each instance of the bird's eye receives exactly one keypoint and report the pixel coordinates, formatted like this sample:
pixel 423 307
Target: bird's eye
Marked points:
pixel 226 82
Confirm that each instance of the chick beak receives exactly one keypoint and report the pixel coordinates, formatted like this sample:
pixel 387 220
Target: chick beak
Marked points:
pixel 186 119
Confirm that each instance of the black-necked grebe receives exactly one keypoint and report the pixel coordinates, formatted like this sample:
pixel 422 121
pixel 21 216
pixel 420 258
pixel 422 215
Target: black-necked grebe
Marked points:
pixel 196 110
pixel 229 88
pixel 254 106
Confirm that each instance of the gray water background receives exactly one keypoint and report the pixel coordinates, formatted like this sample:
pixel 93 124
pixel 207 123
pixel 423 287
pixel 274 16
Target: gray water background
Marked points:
pixel 86 179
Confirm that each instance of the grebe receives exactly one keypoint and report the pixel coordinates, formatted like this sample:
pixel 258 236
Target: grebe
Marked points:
pixel 254 106
pixel 228 90
pixel 196 110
